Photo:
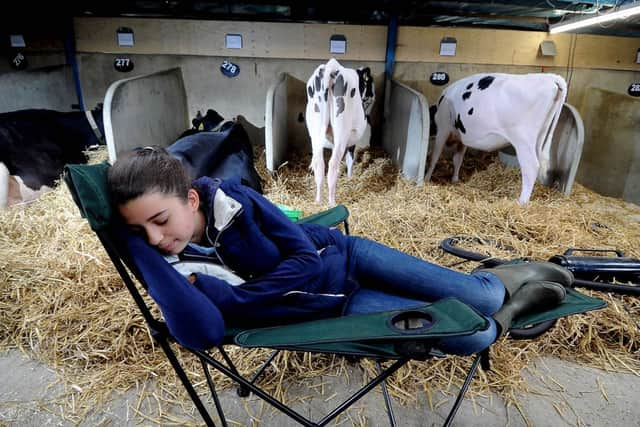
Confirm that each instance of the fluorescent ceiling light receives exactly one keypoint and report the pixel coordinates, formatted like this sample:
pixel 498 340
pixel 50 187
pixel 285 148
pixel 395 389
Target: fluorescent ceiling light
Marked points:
pixel 621 12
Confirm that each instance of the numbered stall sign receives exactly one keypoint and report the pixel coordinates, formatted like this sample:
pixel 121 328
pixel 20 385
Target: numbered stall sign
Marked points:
pixel 124 65
pixel 634 89
pixel 439 78
pixel 229 69
pixel 19 61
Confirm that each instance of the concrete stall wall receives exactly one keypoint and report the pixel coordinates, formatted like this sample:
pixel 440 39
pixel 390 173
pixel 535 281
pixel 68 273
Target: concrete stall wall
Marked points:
pixel 145 110
pixel 406 130
pixel 611 162
pixel 49 87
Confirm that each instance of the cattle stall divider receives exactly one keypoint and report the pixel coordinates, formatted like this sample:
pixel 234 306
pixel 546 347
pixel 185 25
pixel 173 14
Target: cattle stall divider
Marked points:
pixel 565 151
pixel 150 109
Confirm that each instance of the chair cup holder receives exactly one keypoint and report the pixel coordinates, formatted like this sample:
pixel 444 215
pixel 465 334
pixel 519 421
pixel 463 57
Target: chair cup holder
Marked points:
pixel 411 322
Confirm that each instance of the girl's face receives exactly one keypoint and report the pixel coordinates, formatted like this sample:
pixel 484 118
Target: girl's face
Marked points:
pixel 168 222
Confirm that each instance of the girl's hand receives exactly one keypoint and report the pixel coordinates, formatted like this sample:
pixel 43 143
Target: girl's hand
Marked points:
pixel 191 278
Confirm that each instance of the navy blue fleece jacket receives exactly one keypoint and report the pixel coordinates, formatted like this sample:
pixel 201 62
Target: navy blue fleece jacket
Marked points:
pixel 292 272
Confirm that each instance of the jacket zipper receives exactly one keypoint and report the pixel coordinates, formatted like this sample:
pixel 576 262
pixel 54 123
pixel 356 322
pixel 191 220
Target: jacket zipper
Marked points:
pixel 215 243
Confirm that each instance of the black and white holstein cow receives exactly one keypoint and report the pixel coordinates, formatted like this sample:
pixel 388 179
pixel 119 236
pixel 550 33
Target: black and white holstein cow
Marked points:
pixel 36 144
pixel 339 101
pixel 490 111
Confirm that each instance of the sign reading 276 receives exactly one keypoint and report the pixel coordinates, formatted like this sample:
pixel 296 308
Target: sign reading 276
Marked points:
pixel 229 69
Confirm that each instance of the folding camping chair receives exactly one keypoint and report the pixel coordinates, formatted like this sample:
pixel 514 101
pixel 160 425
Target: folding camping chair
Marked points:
pixel 382 336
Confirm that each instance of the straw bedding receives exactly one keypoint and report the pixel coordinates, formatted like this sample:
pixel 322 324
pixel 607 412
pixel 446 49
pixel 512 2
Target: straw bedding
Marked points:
pixel 62 302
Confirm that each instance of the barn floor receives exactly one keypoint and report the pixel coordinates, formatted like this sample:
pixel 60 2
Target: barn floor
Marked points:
pixel 563 393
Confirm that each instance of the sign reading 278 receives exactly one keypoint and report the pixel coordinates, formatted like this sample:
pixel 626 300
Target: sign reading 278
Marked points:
pixel 229 69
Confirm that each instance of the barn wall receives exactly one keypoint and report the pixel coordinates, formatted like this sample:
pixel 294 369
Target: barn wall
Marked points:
pixel 270 48
pixel 589 63
pixel 50 88
pixel 45 83
pixel 198 48
pixel 260 39
pixel 611 162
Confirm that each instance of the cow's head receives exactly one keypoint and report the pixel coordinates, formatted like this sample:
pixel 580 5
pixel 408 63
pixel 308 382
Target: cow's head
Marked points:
pixel 207 122
pixel 367 88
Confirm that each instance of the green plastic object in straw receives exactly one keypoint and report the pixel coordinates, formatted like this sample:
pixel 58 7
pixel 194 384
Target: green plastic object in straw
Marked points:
pixel 292 214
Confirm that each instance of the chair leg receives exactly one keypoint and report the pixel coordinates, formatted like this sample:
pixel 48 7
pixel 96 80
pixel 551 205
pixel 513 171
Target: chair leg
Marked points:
pixel 214 393
pixel 387 399
pixel 463 390
pixel 164 344
pixel 242 390
pixel 264 366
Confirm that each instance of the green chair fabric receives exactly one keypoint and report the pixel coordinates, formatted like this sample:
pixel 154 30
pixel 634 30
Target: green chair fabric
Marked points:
pixel 574 303
pixel 88 186
pixel 445 318
pixel 330 217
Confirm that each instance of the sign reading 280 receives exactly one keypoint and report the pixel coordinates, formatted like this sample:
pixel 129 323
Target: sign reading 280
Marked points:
pixel 229 69
pixel 124 65
pixel 439 78
pixel 634 89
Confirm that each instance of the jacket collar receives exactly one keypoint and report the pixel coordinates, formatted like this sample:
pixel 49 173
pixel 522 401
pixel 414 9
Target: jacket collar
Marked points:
pixel 225 208
pixel 220 209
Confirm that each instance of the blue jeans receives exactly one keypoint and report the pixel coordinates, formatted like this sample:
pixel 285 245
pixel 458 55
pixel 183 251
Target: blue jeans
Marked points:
pixel 412 281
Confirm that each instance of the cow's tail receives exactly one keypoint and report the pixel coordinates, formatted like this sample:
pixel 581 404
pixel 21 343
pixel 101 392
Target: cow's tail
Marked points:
pixel 550 124
pixel 330 73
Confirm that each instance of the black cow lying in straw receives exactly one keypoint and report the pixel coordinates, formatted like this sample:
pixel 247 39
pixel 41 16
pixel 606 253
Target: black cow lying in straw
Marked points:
pixel 36 144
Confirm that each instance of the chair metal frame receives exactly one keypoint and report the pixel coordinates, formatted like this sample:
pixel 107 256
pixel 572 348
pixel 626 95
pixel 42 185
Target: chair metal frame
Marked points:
pixel 162 336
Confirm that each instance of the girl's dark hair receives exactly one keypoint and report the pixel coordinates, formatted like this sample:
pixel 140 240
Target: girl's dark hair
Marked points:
pixel 146 170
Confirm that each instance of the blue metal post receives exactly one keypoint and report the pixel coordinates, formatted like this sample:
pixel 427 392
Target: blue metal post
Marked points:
pixel 70 56
pixel 392 37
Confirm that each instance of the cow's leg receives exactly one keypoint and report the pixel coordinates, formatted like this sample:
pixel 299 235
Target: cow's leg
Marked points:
pixel 317 165
pixel 334 168
pixel 18 192
pixel 350 157
pixel 457 161
pixel 528 160
pixel 4 186
pixel 441 138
